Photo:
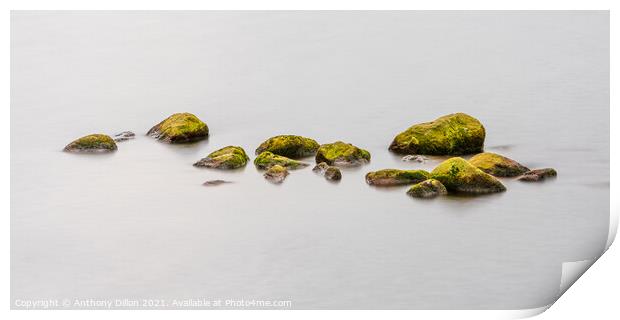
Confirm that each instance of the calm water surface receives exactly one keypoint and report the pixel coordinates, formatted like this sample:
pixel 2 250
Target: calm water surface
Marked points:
pixel 139 224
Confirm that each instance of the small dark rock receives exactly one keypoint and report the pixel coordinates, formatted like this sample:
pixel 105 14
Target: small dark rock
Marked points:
pixel 125 135
pixel 320 168
pixel 333 173
pixel 414 158
pixel 218 182
pixel 276 174
pixel 538 175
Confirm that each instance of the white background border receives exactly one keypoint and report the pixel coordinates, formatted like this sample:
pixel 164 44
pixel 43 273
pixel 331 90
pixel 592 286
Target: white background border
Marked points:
pixel 595 295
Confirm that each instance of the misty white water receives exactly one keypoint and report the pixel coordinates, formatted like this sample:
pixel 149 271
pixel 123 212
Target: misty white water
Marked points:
pixel 139 224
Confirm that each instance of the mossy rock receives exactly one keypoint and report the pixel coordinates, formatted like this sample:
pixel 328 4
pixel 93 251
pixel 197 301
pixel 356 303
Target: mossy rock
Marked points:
pixel 230 157
pixel 430 188
pixel 180 128
pixel 289 146
pixel 92 143
pixel 497 165
pixel 268 159
pixel 538 175
pixel 342 154
pixel 396 177
pixel 333 174
pixel 452 134
pixel 276 174
pixel 458 175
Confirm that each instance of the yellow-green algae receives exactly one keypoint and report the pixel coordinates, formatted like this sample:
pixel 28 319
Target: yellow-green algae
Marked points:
pixel 458 175
pixel 497 165
pixel 230 157
pixel 396 177
pixel 92 143
pixel 427 189
pixel 276 173
pixel 452 134
pixel 289 146
pixel 180 128
pixel 267 159
pixel 341 153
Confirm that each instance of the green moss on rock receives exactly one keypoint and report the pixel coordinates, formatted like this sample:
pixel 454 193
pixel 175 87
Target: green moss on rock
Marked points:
pixel 276 174
pixel 458 175
pixel 342 154
pixel 395 177
pixel 267 159
pixel 333 173
pixel 230 157
pixel 289 146
pixel 430 188
pixel 92 143
pixel 497 165
pixel 452 134
pixel 180 128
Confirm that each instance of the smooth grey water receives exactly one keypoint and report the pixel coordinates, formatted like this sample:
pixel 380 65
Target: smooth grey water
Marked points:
pixel 139 224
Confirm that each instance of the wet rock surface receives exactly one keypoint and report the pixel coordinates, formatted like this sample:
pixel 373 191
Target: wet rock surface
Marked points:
pixel 497 165
pixel 458 175
pixel 268 159
pixel 538 175
pixel 93 143
pixel 430 188
pixel 124 136
pixel 230 157
pixel 396 177
pixel 289 146
pixel 342 154
pixel 180 128
pixel 453 134
pixel 276 174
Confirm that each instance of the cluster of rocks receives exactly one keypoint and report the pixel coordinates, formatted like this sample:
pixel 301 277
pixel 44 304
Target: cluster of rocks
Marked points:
pixel 450 135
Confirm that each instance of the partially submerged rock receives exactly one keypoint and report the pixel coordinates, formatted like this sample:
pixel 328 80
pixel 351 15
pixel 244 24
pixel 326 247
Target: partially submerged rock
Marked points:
pixel 458 175
pixel 123 136
pixel 430 188
pixel 497 165
pixel 180 128
pixel 414 158
pixel 333 173
pixel 289 146
pixel 230 157
pixel 321 168
pixel 396 177
pixel 329 172
pixel 342 154
pixel 212 183
pixel 538 175
pixel 452 134
pixel 267 159
pixel 276 174
pixel 92 143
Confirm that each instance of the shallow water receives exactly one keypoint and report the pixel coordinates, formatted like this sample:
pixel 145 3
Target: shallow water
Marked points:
pixel 139 224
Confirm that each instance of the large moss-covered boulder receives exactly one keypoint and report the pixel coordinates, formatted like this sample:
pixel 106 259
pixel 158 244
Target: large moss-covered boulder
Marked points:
pixel 453 134
pixel 267 160
pixel 430 188
pixel 180 128
pixel 396 177
pixel 230 157
pixel 458 175
pixel 92 143
pixel 342 154
pixel 289 146
pixel 276 174
pixel 497 165
pixel 538 175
